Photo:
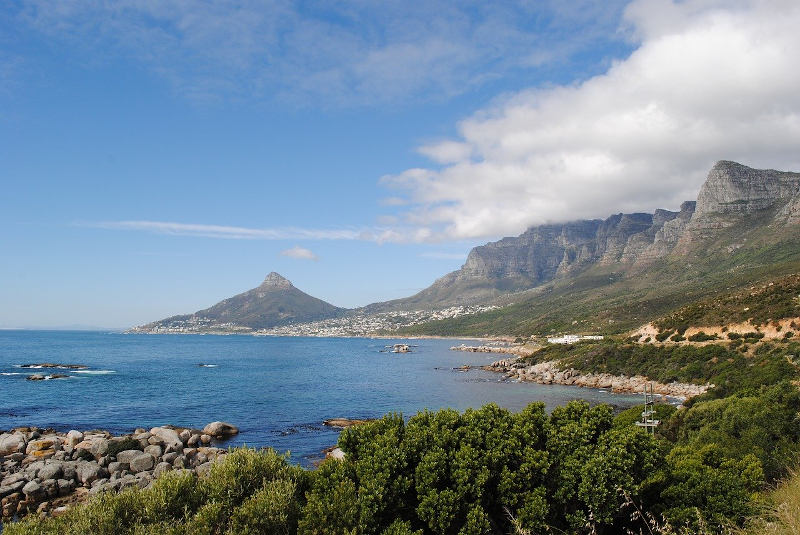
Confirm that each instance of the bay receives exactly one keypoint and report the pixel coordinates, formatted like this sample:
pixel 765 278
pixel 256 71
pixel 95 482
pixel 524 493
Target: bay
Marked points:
pixel 277 390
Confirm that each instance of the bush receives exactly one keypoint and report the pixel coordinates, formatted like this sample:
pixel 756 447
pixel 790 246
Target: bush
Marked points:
pixel 244 472
pixel 663 335
pixel 702 337
pixel 706 487
pixel 272 509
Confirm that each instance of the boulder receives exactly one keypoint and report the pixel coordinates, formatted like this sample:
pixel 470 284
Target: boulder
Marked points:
pixel 73 438
pixel 88 472
pixel 13 478
pixel 99 447
pixel 50 487
pixel 33 490
pixel 11 488
pixel 116 467
pixel 154 450
pixel 11 443
pixel 127 455
pixel 161 468
pixel 142 463
pixel 50 443
pixel 70 471
pixel 193 440
pixel 220 430
pixel 184 435
pixel 205 439
pixel 52 470
pixel 169 437
pixel 65 487
pixel 203 469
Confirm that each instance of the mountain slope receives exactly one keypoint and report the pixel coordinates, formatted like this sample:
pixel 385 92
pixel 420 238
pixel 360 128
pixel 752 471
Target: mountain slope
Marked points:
pixel 275 302
pixel 733 195
pixel 743 229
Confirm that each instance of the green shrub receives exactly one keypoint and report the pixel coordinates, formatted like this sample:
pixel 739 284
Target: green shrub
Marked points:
pixel 244 472
pixel 663 335
pixel 273 509
pixel 702 337
pixel 704 486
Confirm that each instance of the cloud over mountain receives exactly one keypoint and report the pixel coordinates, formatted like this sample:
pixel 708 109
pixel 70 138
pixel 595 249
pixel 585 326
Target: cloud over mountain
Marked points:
pixel 709 80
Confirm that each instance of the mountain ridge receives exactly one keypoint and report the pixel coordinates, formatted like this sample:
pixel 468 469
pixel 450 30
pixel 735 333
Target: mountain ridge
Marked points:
pixel 731 194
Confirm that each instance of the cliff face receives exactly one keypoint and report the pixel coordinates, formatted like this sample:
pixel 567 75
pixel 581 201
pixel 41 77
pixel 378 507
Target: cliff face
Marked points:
pixel 732 194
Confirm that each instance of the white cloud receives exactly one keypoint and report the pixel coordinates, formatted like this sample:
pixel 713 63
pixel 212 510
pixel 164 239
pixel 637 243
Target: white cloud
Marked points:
pixel 300 253
pixel 396 234
pixel 710 80
pixel 230 232
pixel 354 53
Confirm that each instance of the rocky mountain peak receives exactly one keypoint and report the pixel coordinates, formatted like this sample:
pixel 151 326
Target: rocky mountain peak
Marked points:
pixel 733 188
pixel 276 280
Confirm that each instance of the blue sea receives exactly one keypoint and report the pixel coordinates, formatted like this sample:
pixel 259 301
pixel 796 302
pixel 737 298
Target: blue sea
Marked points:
pixel 277 391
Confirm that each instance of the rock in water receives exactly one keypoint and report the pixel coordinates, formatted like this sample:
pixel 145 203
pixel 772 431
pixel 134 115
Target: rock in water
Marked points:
pixel 220 430
pixel 345 422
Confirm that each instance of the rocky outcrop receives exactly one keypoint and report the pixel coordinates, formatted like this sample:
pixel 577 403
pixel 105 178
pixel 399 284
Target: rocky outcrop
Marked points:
pixel 519 350
pixel 734 192
pixel 550 373
pixel 220 430
pixel 345 422
pixel 45 471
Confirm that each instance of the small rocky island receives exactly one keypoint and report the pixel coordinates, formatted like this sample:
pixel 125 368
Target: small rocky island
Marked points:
pixel 45 471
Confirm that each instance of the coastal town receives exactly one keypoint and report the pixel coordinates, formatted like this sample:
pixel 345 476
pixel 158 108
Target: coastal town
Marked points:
pixel 353 324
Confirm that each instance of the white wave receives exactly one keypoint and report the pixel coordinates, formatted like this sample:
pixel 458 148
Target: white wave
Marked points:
pixel 13 373
pixel 95 372
pixel 208 365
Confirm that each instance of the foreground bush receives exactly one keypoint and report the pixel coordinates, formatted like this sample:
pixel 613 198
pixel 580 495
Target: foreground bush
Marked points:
pixel 484 471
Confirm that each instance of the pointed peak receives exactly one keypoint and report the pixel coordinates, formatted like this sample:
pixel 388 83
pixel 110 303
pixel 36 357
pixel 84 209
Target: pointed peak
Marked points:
pixel 276 280
pixel 727 164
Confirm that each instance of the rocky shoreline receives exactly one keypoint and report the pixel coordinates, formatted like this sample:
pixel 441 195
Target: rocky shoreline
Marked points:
pixel 45 471
pixel 519 350
pixel 549 373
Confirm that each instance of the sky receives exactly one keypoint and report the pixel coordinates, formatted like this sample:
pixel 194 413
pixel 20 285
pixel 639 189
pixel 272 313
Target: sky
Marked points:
pixel 159 156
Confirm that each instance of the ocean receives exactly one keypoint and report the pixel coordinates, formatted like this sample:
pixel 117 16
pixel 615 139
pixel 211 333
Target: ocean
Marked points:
pixel 276 390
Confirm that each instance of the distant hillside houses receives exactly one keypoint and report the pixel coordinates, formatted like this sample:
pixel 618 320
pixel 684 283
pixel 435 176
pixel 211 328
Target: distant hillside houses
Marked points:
pixel 572 338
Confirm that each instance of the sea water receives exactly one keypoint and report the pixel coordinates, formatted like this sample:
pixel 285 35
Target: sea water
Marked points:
pixel 277 390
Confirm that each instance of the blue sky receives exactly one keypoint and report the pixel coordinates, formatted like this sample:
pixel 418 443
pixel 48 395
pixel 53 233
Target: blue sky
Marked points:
pixel 156 157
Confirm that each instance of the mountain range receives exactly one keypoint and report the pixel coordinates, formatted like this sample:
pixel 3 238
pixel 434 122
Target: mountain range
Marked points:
pixel 617 271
